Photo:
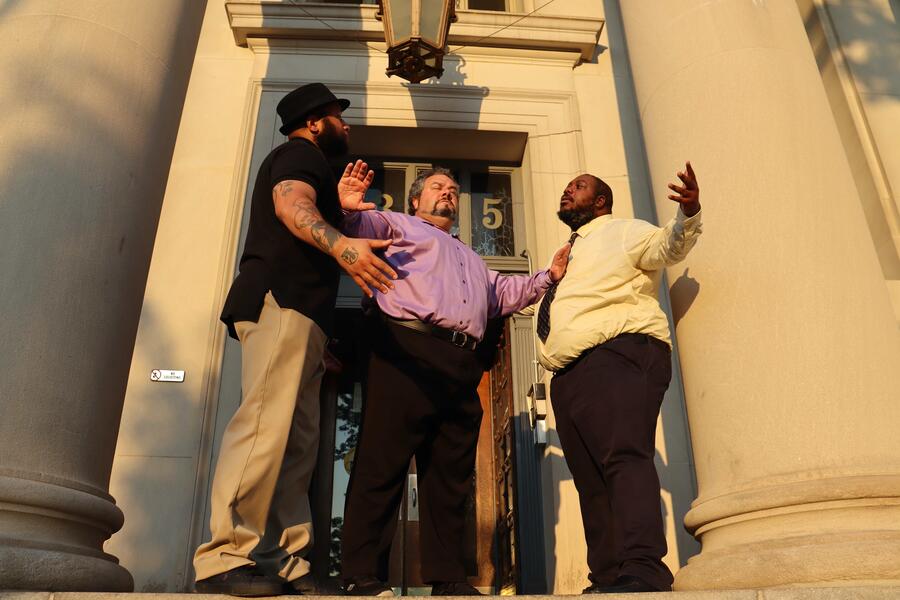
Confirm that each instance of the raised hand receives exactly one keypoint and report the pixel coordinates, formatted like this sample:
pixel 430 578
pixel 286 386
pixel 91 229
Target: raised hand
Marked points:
pixel 560 262
pixel 353 185
pixel 357 258
pixel 688 195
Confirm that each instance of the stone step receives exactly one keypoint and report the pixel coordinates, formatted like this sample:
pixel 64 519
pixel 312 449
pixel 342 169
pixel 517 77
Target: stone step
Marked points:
pixel 890 592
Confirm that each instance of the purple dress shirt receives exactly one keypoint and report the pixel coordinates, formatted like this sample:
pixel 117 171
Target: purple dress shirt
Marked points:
pixel 440 280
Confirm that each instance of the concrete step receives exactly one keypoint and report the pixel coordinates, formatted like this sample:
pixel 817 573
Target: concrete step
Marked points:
pixel 891 592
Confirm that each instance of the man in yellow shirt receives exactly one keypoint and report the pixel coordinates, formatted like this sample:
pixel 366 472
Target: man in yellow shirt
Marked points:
pixel 606 337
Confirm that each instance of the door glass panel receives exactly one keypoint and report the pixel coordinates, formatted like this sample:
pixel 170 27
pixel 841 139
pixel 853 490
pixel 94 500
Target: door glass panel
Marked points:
pixel 388 189
pixel 347 422
pixel 492 215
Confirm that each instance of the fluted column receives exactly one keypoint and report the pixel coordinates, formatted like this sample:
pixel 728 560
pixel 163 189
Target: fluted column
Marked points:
pixel 91 96
pixel 789 348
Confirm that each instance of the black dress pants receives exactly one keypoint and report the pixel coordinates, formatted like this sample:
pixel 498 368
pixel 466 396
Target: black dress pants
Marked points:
pixel 606 405
pixel 421 401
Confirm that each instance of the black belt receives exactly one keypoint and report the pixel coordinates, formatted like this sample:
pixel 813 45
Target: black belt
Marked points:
pixel 457 338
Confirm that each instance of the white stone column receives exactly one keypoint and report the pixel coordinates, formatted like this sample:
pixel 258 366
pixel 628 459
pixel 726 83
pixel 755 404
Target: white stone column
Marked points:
pixel 91 97
pixel 789 348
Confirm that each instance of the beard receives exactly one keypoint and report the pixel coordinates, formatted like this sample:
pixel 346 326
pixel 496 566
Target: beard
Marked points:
pixel 444 209
pixel 332 141
pixel 575 217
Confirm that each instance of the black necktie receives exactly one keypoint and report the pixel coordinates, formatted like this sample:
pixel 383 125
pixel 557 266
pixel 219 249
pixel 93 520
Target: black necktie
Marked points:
pixel 543 320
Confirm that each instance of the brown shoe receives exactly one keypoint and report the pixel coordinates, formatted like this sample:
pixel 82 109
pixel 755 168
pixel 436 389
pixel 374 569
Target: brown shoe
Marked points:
pixel 367 586
pixel 246 580
pixel 309 585
pixel 454 588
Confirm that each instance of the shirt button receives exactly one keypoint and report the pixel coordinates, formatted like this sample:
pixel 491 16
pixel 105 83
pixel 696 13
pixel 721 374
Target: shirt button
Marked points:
pixel 464 280
pixel 464 301
pixel 460 322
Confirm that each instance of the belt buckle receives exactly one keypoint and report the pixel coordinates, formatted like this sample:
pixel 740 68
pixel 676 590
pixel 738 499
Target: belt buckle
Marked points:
pixel 461 343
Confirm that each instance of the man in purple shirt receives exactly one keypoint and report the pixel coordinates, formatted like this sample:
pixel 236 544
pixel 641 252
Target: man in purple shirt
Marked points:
pixel 422 383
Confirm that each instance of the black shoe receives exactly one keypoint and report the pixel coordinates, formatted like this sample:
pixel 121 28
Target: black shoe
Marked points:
pixel 308 585
pixel 367 586
pixel 454 588
pixel 624 584
pixel 245 580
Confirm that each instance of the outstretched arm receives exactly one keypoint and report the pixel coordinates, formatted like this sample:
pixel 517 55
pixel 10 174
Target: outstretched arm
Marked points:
pixel 295 206
pixel 652 248
pixel 512 293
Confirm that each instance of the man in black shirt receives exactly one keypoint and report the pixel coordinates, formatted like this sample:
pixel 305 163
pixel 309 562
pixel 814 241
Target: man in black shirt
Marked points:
pixel 280 307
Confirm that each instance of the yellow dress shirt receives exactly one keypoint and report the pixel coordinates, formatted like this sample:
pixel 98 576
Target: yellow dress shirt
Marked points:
pixel 612 284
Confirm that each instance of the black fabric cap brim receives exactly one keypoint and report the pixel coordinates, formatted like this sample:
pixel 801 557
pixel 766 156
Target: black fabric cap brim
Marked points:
pixel 293 124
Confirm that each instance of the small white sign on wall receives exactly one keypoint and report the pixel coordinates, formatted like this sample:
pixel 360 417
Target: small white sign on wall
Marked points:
pixel 166 375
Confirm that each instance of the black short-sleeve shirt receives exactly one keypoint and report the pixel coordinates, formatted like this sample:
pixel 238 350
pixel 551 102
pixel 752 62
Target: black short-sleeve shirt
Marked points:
pixel 300 276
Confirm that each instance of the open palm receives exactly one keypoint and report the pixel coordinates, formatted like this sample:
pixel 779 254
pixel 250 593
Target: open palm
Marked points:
pixel 353 185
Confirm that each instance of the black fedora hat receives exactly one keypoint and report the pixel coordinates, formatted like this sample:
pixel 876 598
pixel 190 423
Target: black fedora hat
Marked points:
pixel 294 107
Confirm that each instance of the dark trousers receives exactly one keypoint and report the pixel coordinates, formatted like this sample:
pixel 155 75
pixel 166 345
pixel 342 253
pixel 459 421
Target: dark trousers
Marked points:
pixel 421 401
pixel 606 405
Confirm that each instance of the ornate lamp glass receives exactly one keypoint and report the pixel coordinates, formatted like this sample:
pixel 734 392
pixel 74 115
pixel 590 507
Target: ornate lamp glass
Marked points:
pixel 416 36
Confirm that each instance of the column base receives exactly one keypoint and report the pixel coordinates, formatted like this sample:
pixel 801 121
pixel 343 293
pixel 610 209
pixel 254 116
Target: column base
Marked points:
pixel 52 535
pixel 834 531
pixel 836 560
pixel 23 568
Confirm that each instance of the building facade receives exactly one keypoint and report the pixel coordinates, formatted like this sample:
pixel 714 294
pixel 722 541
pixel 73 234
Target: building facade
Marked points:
pixel 777 450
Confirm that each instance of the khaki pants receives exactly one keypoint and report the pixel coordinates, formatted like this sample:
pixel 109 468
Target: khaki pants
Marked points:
pixel 260 502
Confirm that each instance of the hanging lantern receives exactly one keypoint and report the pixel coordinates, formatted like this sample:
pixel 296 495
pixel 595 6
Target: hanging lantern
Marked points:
pixel 416 36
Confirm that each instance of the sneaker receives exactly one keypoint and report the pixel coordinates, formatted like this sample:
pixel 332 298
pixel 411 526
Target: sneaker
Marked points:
pixel 368 586
pixel 454 588
pixel 309 585
pixel 246 580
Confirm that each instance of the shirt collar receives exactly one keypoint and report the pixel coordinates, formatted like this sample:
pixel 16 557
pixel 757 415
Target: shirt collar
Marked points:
pixel 441 229
pixel 586 229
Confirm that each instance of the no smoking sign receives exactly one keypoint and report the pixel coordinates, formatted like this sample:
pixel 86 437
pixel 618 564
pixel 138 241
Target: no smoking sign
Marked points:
pixel 166 375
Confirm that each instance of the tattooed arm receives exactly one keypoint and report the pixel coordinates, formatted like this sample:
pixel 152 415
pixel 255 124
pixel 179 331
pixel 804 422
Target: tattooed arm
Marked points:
pixel 295 206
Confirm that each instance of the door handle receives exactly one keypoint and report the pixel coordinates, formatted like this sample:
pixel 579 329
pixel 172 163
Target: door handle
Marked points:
pixel 412 497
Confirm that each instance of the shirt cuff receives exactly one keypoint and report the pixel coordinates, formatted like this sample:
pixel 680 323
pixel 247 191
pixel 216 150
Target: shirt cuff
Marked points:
pixel 685 220
pixel 543 279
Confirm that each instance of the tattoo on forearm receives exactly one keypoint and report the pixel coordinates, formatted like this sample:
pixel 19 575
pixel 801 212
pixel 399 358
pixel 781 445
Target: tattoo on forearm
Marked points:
pixel 349 255
pixel 324 235
pixel 306 216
